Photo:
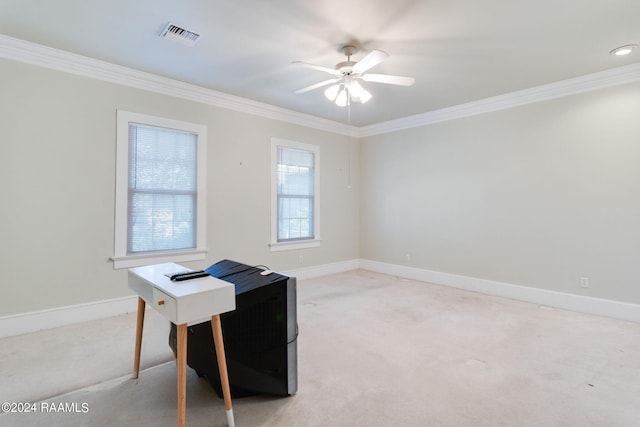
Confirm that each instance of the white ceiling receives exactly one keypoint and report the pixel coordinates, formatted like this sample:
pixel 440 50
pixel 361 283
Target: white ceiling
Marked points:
pixel 458 50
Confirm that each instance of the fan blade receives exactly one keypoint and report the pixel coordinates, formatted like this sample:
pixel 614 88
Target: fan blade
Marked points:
pixel 317 85
pixel 389 79
pixel 371 60
pixel 319 67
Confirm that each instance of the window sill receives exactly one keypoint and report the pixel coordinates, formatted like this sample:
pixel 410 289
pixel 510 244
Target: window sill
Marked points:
pixel 289 246
pixel 129 261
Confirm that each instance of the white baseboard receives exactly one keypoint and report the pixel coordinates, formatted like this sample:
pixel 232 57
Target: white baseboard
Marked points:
pixel 24 323
pixel 34 321
pixel 324 270
pixel 602 307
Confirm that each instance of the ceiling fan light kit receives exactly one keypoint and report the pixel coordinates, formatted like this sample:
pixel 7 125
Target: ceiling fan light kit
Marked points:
pixel 346 92
pixel 345 87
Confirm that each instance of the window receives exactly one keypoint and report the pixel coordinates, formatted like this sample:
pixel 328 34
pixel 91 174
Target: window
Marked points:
pixel 160 190
pixel 295 196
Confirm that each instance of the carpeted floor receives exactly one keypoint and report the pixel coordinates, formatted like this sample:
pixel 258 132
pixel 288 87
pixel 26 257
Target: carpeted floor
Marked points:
pixel 374 350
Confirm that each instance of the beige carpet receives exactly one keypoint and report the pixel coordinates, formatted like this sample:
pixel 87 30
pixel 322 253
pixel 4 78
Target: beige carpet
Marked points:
pixel 374 350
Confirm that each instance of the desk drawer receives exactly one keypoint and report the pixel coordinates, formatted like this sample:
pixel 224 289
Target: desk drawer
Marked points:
pixel 165 304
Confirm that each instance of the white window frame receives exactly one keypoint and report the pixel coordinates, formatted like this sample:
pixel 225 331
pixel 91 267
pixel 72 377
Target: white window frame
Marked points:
pixel 121 259
pixel 303 243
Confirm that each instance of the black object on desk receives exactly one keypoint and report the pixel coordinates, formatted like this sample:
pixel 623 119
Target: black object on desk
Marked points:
pixel 260 335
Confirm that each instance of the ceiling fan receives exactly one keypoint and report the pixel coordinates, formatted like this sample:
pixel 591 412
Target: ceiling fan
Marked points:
pixel 345 86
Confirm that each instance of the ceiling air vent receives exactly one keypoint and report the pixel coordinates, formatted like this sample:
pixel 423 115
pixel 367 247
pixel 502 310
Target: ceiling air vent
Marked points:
pixel 179 34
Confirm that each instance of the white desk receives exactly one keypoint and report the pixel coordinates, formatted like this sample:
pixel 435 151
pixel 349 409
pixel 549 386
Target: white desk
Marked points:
pixel 183 303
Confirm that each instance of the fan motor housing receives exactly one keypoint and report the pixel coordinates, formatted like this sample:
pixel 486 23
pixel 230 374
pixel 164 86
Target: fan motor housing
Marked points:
pixel 345 67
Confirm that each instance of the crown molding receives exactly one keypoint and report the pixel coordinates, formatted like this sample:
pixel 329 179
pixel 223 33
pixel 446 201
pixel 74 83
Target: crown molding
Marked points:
pixel 586 83
pixel 35 54
pixel 56 59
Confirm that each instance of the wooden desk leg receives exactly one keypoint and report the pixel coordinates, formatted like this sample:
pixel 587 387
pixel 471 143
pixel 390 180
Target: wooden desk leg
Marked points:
pixel 182 374
pixel 139 326
pixel 216 327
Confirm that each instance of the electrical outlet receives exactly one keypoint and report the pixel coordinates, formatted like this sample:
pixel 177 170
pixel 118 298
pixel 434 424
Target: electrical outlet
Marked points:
pixel 407 257
pixel 301 259
pixel 584 282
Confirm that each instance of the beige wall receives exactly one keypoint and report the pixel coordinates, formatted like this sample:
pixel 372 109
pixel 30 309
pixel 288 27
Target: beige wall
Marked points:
pixel 57 184
pixel 539 195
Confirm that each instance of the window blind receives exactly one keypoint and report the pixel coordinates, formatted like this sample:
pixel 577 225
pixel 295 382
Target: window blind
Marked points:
pixel 295 171
pixel 162 189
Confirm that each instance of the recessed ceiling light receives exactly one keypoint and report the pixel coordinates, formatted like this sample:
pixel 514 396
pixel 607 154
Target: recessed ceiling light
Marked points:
pixel 623 50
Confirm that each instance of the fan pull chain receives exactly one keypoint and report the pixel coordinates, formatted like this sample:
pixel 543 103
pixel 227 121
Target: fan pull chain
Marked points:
pixel 348 108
